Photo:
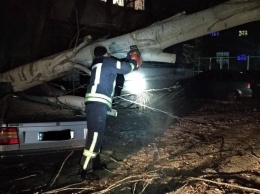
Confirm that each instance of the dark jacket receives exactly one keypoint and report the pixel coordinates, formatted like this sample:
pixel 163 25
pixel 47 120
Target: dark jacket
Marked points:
pixel 103 76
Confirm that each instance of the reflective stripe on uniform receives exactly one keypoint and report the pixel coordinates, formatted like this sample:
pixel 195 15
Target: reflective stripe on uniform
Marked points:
pixel 94 141
pixel 114 85
pixel 91 149
pixel 99 100
pixel 89 153
pixel 89 97
pixel 118 65
pixel 132 66
pixel 98 67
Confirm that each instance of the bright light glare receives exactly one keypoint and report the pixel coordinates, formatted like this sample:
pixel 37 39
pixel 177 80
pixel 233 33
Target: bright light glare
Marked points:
pixel 135 83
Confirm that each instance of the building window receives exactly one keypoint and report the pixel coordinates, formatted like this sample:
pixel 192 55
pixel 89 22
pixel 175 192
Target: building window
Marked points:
pixel 139 4
pixel 214 34
pixel 117 2
pixel 136 4
pixel 242 33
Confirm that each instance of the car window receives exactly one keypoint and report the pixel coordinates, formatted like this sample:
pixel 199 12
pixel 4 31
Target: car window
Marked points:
pixel 232 76
pixel 240 76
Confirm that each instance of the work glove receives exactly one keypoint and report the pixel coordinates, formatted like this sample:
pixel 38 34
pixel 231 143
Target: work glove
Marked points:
pixel 135 55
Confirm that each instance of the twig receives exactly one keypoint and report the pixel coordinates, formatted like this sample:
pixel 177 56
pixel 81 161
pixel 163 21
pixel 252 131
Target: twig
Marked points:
pixel 109 171
pixel 134 187
pixel 226 184
pixel 153 90
pixel 26 190
pixel 68 188
pixel 156 151
pixel 154 109
pixel 11 189
pixel 61 168
pixel 115 160
pixel 253 151
pixel 24 177
pixel 77 19
pixel 180 190
pixel 145 185
pixel 74 188
pixel 130 179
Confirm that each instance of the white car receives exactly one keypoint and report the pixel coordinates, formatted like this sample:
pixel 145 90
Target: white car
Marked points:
pixel 27 125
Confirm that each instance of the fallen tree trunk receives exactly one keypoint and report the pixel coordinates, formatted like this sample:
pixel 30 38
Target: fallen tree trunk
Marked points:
pixel 150 40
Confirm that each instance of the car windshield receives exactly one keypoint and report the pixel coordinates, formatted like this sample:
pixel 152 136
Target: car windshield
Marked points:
pixel 223 75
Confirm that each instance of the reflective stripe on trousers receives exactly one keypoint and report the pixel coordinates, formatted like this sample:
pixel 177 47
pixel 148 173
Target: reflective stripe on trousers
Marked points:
pixel 89 153
pixel 95 97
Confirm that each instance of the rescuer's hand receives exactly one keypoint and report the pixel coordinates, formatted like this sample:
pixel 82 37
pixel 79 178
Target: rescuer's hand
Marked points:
pixel 137 58
pixel 136 55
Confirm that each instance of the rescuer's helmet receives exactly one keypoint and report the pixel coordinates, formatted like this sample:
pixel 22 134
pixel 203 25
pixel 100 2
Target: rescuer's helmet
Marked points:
pixel 100 51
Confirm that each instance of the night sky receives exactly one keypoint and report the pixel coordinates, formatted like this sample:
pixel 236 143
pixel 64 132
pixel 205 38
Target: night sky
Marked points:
pixel 25 38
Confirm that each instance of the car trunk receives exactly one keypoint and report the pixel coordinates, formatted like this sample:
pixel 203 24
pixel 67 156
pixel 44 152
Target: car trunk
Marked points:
pixel 27 125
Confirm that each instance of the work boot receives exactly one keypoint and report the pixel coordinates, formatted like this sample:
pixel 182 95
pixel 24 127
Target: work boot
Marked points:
pixel 88 175
pixel 97 165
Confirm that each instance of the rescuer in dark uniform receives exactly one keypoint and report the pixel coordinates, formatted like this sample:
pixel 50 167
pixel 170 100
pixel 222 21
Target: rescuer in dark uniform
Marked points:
pixel 98 100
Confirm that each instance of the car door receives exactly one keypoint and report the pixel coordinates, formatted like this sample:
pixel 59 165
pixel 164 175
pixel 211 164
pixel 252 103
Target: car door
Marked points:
pixel 202 83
